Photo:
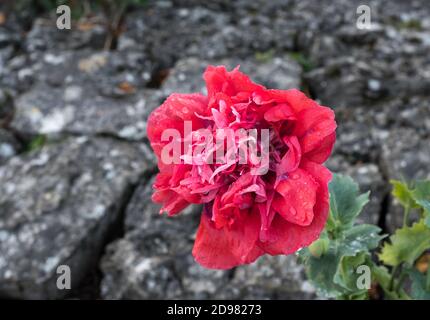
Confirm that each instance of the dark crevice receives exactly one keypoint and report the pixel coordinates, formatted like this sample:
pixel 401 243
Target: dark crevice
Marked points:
pixel 231 273
pixel 177 275
pixel 382 218
pixel 386 200
pixel 157 78
pixel 89 288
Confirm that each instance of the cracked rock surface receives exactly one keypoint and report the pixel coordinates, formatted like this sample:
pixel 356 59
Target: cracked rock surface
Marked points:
pixel 57 207
pixel 76 167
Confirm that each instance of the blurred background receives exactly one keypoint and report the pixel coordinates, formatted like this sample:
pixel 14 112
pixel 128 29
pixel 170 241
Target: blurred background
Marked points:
pixel 75 165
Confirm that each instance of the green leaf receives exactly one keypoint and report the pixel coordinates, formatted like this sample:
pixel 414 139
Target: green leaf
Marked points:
pixel 346 275
pixel 345 201
pixel 321 271
pixel 402 193
pixel 381 275
pixel 363 237
pixel 331 261
pixel 407 244
pixel 421 194
pixel 427 220
pixel 333 272
pixel 418 288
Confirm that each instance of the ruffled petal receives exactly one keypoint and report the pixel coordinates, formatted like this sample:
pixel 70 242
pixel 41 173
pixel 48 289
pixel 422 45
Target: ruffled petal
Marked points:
pixel 171 115
pixel 172 202
pixel 280 112
pixel 296 99
pixel 230 246
pixel 291 160
pixel 321 153
pixel 232 83
pixel 315 128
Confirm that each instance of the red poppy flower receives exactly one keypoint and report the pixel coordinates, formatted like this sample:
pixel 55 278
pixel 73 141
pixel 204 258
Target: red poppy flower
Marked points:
pixel 246 212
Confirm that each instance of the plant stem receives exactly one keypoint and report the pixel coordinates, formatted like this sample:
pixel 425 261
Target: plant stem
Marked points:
pixel 406 216
pixel 400 282
pixel 428 279
pixel 393 275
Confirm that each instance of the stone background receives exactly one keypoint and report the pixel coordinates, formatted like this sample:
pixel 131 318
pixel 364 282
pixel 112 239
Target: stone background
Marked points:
pixel 76 169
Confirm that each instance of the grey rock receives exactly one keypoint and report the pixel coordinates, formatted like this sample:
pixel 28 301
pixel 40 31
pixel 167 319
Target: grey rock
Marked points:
pixel 342 82
pixel 369 178
pixel 413 112
pixel 142 212
pixel 76 110
pixel 44 35
pixel 237 41
pixel 191 25
pixel 6 108
pixel 58 206
pixel 9 146
pixel 279 277
pixel 142 264
pixel 10 38
pixel 405 157
pixel 87 93
pixel 277 73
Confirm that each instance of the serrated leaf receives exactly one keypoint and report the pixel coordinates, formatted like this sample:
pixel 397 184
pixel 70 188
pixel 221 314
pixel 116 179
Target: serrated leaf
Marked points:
pixel 403 194
pixel 345 201
pixel 407 244
pixel 363 237
pixel 418 288
pixel 421 194
pixel 381 275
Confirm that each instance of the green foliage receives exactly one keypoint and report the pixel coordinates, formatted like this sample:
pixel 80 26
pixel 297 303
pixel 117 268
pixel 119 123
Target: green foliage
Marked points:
pixel 264 56
pixel 331 262
pixel 306 64
pixel 407 244
pixel 421 194
pixel 412 24
pixel 403 194
pixel 416 197
pixel 345 203
pixel 36 143
pixel 420 289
